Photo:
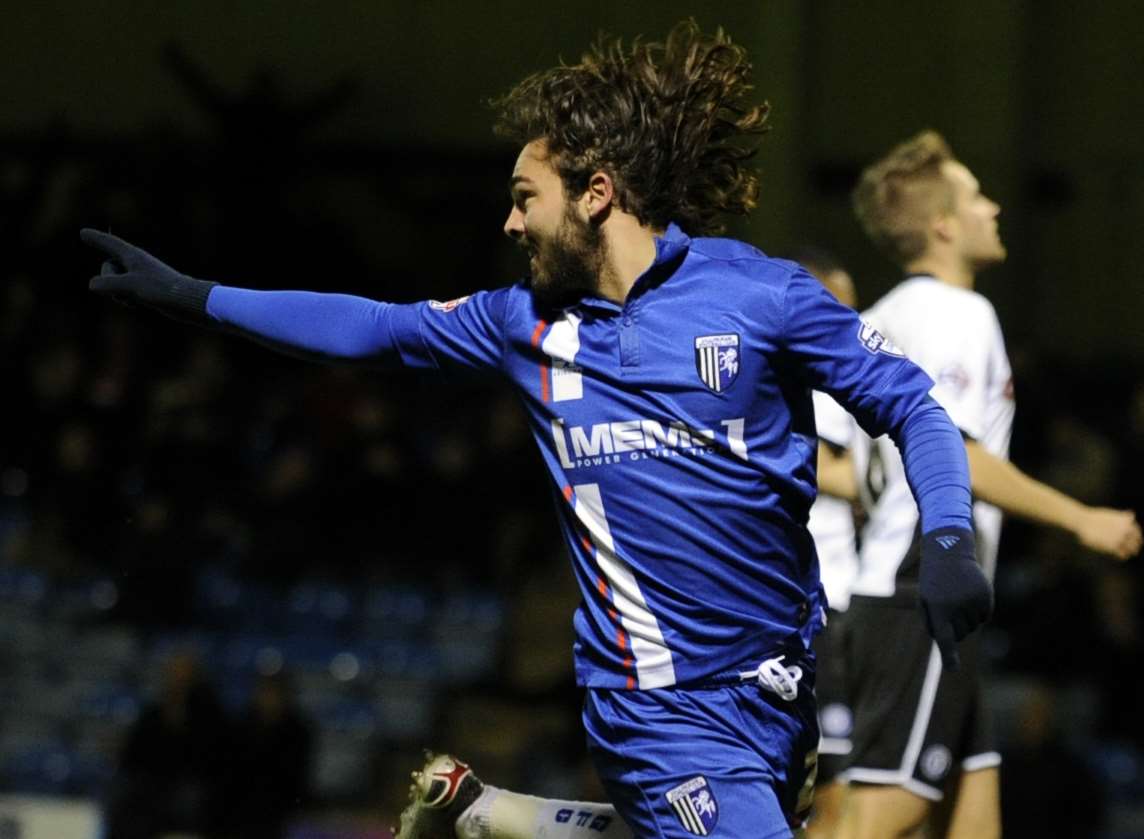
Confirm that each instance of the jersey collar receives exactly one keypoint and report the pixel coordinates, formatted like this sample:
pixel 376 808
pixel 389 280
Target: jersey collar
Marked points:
pixel 671 246
pixel 670 249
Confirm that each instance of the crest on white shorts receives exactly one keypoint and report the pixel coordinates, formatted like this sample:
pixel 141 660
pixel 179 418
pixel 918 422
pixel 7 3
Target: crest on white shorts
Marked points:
pixel 695 806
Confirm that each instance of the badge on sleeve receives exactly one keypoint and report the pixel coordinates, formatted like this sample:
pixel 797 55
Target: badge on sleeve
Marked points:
pixel 875 342
pixel 717 360
pixel 695 806
pixel 448 305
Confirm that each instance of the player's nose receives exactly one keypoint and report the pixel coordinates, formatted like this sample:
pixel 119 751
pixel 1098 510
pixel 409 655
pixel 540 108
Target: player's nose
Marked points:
pixel 514 224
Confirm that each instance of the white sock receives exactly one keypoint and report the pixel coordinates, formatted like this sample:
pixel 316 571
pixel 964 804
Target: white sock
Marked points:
pixel 501 814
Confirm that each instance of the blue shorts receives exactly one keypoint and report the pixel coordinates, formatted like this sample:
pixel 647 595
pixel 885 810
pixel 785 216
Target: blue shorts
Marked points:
pixel 731 760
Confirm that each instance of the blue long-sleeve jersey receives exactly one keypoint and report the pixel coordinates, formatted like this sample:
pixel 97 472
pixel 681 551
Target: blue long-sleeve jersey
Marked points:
pixel 678 432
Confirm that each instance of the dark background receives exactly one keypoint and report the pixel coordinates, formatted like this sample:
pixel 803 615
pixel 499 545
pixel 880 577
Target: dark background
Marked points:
pixel 189 491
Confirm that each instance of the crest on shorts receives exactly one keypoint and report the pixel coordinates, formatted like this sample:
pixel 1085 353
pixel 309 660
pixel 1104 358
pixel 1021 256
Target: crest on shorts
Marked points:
pixel 717 360
pixel 936 762
pixel 695 806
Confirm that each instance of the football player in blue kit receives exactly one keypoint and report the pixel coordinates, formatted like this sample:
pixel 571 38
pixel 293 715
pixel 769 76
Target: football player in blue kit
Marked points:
pixel 667 378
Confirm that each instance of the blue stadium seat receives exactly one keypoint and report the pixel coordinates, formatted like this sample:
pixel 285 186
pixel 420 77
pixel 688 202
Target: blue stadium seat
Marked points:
pixel 111 703
pixel 23 586
pixel 43 770
pixel 319 604
pixel 394 611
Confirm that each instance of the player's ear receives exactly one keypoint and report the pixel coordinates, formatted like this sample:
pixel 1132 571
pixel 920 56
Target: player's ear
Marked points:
pixel 943 226
pixel 599 195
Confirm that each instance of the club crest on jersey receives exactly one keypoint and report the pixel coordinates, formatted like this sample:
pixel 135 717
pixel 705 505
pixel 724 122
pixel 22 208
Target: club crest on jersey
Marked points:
pixel 875 342
pixel 448 305
pixel 717 360
pixel 695 806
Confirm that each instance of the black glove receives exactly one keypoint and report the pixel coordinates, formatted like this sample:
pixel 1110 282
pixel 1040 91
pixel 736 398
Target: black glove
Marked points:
pixel 131 275
pixel 956 597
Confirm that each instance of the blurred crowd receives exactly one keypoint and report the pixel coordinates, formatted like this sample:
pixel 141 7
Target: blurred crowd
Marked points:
pixel 147 450
pixel 187 767
pixel 139 449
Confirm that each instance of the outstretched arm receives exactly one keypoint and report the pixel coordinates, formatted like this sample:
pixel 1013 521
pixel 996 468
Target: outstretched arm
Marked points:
pixel 328 327
pixel 323 326
pixel 1113 532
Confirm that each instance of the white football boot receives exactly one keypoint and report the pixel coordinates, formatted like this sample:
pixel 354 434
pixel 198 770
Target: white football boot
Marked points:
pixel 441 791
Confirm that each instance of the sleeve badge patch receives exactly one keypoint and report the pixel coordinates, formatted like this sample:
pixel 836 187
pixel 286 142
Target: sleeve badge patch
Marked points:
pixel 448 305
pixel 875 342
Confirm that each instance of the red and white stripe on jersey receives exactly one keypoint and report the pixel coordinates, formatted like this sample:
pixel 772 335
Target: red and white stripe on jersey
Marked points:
pixel 560 379
pixel 561 345
pixel 545 386
pixel 652 658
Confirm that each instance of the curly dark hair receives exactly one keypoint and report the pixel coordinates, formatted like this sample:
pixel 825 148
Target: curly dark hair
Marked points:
pixel 669 122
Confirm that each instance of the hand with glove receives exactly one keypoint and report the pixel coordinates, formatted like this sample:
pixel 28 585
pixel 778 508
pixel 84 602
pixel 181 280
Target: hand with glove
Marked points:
pixel 131 275
pixel 956 597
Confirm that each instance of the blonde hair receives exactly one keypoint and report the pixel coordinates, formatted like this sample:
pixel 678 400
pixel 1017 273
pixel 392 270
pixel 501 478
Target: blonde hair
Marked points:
pixel 898 196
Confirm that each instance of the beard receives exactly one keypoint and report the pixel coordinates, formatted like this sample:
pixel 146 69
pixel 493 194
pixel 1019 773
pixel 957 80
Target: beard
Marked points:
pixel 566 266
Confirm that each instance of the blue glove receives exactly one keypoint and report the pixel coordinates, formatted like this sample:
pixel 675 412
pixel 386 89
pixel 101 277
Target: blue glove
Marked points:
pixel 956 598
pixel 131 275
